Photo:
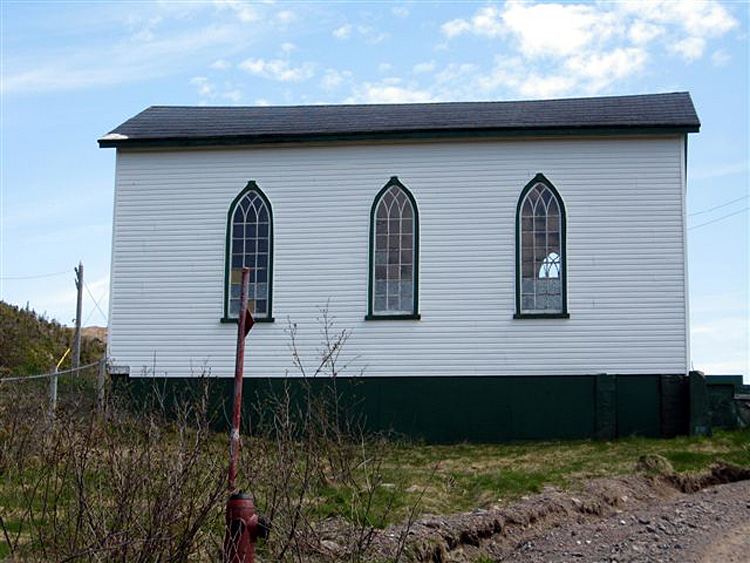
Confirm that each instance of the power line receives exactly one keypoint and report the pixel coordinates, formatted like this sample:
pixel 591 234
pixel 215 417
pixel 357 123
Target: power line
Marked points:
pixel 719 206
pixel 96 303
pixel 718 219
pixel 35 277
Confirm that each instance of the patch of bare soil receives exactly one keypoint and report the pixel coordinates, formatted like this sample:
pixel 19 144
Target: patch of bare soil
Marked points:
pixel 733 547
pixel 643 517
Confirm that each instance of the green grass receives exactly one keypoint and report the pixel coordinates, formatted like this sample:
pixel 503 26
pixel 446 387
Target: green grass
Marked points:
pixel 465 476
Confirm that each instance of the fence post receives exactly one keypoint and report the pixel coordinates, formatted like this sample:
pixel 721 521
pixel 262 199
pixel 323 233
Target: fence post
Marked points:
pixel 79 310
pixel 100 385
pixel 52 396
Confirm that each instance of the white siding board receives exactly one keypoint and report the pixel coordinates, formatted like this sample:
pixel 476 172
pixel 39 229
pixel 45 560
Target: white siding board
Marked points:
pixel 626 270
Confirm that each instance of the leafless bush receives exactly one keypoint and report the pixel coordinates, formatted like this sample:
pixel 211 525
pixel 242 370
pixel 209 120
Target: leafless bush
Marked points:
pixel 124 488
pixel 312 445
pixel 149 485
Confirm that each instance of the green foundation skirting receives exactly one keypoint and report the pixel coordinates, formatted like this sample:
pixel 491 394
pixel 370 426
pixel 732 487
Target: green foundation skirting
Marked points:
pixel 475 409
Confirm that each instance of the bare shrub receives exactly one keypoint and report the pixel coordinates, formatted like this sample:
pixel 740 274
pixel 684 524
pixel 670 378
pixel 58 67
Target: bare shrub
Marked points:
pixel 313 468
pixel 128 488
pixel 149 484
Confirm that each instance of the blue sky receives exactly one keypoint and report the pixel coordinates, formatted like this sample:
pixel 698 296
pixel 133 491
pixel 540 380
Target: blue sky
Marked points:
pixel 71 71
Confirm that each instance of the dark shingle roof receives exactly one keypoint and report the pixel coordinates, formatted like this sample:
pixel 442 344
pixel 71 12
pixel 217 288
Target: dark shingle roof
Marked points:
pixel 182 125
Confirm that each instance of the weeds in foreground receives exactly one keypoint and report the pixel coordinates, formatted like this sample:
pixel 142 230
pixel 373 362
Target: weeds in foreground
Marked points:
pixel 151 485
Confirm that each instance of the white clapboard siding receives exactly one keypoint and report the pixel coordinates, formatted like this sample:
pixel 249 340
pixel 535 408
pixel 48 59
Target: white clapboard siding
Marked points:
pixel 625 251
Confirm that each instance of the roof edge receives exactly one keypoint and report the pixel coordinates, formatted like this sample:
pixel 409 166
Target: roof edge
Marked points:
pixel 122 141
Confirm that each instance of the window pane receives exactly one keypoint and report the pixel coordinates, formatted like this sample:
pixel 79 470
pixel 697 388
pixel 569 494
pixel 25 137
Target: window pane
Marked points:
pixel 394 255
pixel 250 246
pixel 406 294
pixel 380 287
pixel 540 275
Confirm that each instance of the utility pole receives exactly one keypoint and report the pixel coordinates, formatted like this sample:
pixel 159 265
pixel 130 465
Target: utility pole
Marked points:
pixel 79 307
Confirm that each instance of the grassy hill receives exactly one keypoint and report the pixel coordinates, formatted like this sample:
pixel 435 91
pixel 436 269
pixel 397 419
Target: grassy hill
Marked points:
pixel 30 344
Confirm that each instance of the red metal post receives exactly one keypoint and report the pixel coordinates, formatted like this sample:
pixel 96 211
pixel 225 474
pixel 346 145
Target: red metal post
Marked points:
pixel 239 367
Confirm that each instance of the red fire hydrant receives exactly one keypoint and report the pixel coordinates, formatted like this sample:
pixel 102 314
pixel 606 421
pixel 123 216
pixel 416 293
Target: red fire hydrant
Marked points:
pixel 243 528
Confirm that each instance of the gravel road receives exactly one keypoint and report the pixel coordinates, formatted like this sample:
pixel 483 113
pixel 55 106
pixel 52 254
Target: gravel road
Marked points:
pixel 711 526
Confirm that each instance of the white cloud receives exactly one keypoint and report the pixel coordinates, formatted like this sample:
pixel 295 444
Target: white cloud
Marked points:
pixel 124 62
pixel 244 11
pixel 556 30
pixel 233 95
pixel 372 35
pixel 424 67
pixel 457 73
pixel 690 48
pixel 552 49
pixel 343 32
pixel 720 58
pixel 400 11
pixel 333 79
pixel 536 86
pixel 705 18
pixel 389 91
pixel 288 47
pixel 262 102
pixel 600 70
pixel 486 22
pixel 220 64
pixel 278 69
pixel 204 86
pixel 642 32
pixel 384 67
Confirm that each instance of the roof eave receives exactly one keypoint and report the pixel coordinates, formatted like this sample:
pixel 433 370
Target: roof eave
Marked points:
pixel 122 141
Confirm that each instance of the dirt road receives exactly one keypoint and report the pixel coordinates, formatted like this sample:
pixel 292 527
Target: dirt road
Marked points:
pixel 711 526
pixel 646 517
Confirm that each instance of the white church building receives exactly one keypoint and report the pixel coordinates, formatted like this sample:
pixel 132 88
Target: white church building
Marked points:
pixel 488 257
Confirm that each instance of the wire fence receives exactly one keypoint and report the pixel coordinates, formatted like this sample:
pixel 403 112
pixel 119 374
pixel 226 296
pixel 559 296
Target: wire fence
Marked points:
pixel 84 391
pixel 51 374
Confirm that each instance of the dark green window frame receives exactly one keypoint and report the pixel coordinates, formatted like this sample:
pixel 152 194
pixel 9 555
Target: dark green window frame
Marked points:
pixel 251 186
pixel 414 315
pixel 541 179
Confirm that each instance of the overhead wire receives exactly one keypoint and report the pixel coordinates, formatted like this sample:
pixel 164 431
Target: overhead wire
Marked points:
pixel 718 219
pixel 34 277
pixel 96 303
pixel 719 206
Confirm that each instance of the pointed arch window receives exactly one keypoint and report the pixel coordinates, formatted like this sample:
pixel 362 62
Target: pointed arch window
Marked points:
pixel 540 252
pixel 394 254
pixel 250 244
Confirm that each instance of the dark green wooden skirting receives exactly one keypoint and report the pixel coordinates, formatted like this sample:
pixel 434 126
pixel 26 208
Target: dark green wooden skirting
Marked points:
pixel 475 409
pixel 722 408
